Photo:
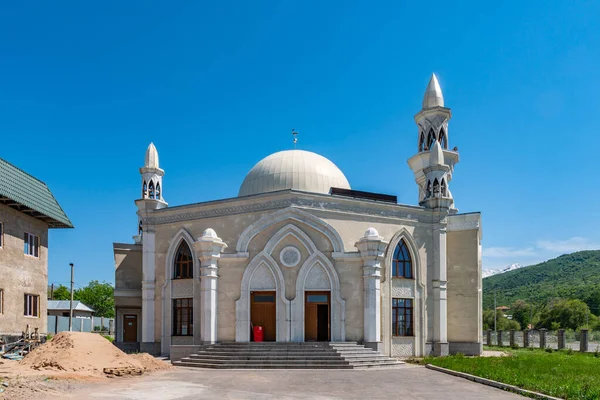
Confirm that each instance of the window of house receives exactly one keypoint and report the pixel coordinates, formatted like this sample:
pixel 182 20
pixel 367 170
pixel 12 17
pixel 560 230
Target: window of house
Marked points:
pixel 1 301
pixel 401 262
pixel 183 322
pixel 31 305
pixel 402 317
pixel 32 244
pixel 184 264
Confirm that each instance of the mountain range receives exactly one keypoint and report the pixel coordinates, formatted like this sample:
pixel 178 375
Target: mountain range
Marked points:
pixel 490 272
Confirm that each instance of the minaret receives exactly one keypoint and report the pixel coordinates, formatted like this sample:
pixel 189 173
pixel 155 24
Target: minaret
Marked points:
pixel 151 200
pixel 437 194
pixel 432 122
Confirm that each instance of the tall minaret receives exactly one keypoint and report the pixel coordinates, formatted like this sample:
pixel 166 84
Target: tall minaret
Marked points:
pixel 151 200
pixel 432 122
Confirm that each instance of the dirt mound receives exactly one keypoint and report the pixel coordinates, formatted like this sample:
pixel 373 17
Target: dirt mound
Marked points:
pixel 86 353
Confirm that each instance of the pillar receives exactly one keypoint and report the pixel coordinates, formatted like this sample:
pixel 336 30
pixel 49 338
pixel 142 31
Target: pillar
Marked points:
pixel 499 338
pixel 526 338
pixel 583 341
pixel 372 248
pixel 148 291
pixel 543 332
pixel 209 248
pixel 561 339
pixel 511 338
pixel 488 335
pixel 439 285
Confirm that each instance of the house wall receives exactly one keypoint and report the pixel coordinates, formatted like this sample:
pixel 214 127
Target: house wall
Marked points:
pixel 128 285
pixel 22 274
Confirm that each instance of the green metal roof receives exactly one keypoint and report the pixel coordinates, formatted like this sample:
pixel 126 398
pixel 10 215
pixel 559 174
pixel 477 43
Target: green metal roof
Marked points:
pixel 31 196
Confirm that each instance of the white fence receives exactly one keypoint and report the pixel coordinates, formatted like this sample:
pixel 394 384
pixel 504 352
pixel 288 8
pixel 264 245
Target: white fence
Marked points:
pixel 61 324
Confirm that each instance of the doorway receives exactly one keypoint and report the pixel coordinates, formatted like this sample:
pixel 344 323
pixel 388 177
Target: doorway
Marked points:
pixel 317 317
pixel 130 328
pixel 263 313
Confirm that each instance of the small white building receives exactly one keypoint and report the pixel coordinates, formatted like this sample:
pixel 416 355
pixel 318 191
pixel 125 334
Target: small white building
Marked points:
pixel 61 308
pixel 306 257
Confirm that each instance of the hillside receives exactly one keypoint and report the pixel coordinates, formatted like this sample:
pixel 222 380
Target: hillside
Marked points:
pixel 570 276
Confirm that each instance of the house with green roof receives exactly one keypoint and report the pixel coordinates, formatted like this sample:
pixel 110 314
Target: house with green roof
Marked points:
pixel 27 210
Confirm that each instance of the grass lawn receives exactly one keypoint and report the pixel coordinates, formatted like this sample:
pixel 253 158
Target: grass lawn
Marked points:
pixel 569 375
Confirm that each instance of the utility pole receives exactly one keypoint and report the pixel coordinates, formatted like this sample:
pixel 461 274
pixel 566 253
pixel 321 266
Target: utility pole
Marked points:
pixel 495 311
pixel 71 305
pixel 52 292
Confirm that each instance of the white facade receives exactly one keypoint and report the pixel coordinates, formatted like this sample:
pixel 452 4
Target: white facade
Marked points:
pixel 307 264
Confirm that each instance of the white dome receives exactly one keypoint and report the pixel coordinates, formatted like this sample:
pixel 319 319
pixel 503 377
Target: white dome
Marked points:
pixel 293 169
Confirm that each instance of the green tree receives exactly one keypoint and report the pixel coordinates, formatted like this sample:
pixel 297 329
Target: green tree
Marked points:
pixel 521 312
pixel 570 314
pixel 502 323
pixel 99 297
pixel 62 293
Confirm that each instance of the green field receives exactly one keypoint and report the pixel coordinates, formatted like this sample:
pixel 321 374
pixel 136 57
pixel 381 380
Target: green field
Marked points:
pixel 569 375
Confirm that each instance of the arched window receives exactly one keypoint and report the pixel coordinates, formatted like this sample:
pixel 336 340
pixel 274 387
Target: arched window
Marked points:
pixel 151 190
pixel 443 139
pixel 436 188
pixel 184 264
pixel 140 230
pixel 444 188
pixel 430 139
pixel 144 190
pixel 428 194
pixel 421 142
pixel 157 191
pixel 401 262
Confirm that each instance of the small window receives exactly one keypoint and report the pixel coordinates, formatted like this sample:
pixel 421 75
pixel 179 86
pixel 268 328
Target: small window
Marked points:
pixel 183 321
pixel 317 298
pixel 157 191
pixel 402 317
pixel 184 264
pixel 31 244
pixel 401 262
pixel 1 301
pixel 151 190
pixel 263 298
pixel 31 305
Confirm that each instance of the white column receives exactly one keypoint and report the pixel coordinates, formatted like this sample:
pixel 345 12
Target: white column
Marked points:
pixel 209 248
pixel 439 285
pixel 148 286
pixel 372 249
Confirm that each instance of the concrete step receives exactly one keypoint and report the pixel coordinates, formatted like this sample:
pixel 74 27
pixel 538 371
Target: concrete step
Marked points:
pixel 263 357
pixel 260 366
pixel 264 362
pixel 196 357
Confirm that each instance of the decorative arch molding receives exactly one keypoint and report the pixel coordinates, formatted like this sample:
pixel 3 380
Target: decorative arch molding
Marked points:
pixel 290 230
pixel 416 287
pixel 242 305
pixel 181 235
pixel 294 214
pixel 338 305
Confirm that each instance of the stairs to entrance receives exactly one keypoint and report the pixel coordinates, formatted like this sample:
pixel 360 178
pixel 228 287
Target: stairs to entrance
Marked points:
pixel 271 355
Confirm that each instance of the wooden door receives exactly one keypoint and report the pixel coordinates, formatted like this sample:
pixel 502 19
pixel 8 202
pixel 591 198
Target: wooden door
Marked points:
pixel 263 313
pixel 316 317
pixel 130 328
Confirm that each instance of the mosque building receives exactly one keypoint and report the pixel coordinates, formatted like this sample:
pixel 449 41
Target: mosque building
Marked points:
pixel 302 254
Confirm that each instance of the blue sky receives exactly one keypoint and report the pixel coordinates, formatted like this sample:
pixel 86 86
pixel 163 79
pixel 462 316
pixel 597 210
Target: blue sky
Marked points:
pixel 85 87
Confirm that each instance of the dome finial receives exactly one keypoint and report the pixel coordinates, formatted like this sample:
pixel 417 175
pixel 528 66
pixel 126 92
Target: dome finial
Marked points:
pixel 433 94
pixel 151 157
pixel 295 134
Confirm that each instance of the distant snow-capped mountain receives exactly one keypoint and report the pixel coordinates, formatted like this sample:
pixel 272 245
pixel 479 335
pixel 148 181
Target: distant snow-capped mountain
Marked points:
pixel 489 272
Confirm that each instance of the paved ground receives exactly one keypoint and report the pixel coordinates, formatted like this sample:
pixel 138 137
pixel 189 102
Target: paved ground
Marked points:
pixel 408 382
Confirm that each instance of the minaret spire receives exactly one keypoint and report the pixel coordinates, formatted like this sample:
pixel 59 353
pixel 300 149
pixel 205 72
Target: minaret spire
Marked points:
pixel 433 94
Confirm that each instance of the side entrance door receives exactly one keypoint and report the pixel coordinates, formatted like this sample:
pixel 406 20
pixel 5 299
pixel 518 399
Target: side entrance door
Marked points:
pixel 263 313
pixel 130 328
pixel 317 317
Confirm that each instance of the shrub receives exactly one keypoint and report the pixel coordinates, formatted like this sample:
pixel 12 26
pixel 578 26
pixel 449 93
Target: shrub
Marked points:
pixel 109 338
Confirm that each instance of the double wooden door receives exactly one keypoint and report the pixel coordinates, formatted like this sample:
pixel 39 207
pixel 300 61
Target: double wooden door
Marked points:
pixel 317 318
pixel 263 313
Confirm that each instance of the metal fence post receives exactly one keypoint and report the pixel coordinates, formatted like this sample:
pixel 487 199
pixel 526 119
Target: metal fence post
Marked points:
pixel 511 337
pixel 526 338
pixel 499 338
pixel 583 342
pixel 543 338
pixel 561 339
pixel 489 337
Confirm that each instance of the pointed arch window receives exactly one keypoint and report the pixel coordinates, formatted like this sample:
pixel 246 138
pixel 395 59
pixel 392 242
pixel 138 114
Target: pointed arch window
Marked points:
pixel 430 139
pixel 140 230
pixel 443 139
pixel 144 190
pixel 443 188
pixel 184 264
pixel 151 190
pixel 157 191
pixel 436 188
pixel 428 193
pixel 401 262
pixel 421 141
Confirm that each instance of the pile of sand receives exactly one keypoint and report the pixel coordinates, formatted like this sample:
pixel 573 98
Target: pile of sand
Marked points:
pixel 86 353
